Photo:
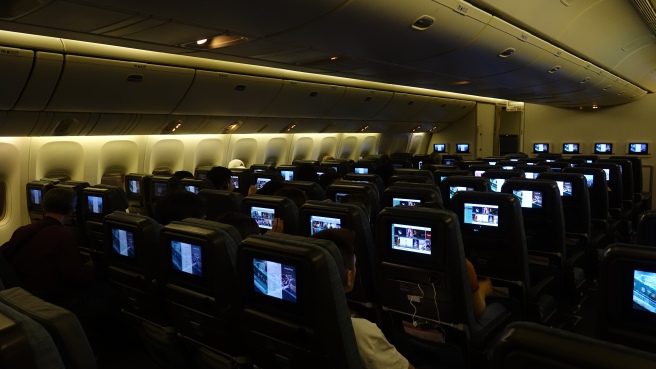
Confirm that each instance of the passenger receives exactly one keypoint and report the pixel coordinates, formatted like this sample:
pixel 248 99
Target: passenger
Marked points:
pixel 327 158
pixel 359 199
pixel 45 255
pixel 182 174
pixel 221 178
pixel 375 350
pixel 236 163
pixel 178 205
pixel 481 289
pixel 328 178
pixel 299 197
pixel 243 223
pixel 268 189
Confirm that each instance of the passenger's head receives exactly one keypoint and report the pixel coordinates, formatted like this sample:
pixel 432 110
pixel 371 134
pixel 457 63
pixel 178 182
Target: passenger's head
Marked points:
pixel 182 174
pixel 344 239
pixel 220 177
pixel 299 197
pixel 61 201
pixel 327 158
pixel 328 178
pixel 236 163
pixel 270 188
pixel 178 205
pixel 306 172
pixel 358 199
pixel 386 171
pixel 245 225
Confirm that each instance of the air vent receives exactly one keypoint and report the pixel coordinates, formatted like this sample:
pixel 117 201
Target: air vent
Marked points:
pixel 171 127
pixel 232 127
pixel 240 88
pixel 135 78
pixel 314 94
pixel 65 127
pixel 507 52
pixel 554 69
pixel 423 22
pixel 585 80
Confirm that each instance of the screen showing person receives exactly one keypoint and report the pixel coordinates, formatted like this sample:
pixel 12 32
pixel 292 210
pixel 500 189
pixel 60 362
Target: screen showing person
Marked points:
pixel 287 175
pixel 529 199
pixel 134 186
pixel 405 202
pixel 571 148
pixel 319 223
pixel 541 147
pixel 480 214
pixel 192 188
pixel 123 242
pixel 411 238
pixel 462 148
pixel 496 184
pixel 644 291
pixel 95 204
pixel 565 188
pixel 160 188
pixel 590 179
pixel 186 258
pixel 601 148
pixel 274 279
pixel 260 182
pixel 439 148
pixel 362 170
pixel 35 196
pixel 638 148
pixel 235 181
pixel 454 189
pixel 263 216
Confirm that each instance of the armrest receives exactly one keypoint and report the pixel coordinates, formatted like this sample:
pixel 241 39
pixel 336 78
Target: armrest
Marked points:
pixel 540 288
pixel 576 259
pixel 483 337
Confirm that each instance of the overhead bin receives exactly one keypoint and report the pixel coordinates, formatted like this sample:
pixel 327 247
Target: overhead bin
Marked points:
pixel 441 110
pixel 43 79
pixel 304 100
pixel 219 93
pixel 15 67
pixel 112 86
pixel 403 107
pixel 360 103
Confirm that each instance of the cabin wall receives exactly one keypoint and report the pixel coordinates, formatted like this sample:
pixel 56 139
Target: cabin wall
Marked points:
pixel 462 131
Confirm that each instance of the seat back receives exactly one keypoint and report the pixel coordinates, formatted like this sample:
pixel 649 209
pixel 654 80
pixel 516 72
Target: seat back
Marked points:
pixel 575 199
pixel 365 167
pixel 196 185
pixel 452 184
pixel 626 174
pixel 220 202
pixel 35 191
pixel 137 189
pixel 411 194
pixel 530 345
pixel 477 170
pixel 98 201
pixel 341 188
pixel 499 176
pixel 636 166
pixel 627 285
pixel 264 209
pixel 312 189
pixel 597 190
pixel 613 181
pixel 415 172
pixel 373 178
pixel 532 171
pixel 293 311
pixel 441 174
pixel 646 234
pixel 16 351
pixel 408 178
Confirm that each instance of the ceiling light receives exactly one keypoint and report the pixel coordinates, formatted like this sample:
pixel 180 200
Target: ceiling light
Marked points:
pixel 364 128
pixel 416 128
pixel 171 127
pixel 215 42
pixel 288 128
pixel 201 42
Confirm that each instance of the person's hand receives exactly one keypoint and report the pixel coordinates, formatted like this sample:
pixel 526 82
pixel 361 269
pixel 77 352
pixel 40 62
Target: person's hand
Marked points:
pixel 278 226
pixel 252 189
pixel 485 285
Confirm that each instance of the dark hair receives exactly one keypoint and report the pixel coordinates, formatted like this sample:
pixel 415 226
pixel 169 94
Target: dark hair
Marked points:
pixel 182 174
pixel 306 172
pixel 243 223
pixel 178 205
pixel 220 177
pixel 270 187
pixel 358 199
pixel 385 171
pixel 344 239
pixel 297 196
pixel 328 178
pixel 60 201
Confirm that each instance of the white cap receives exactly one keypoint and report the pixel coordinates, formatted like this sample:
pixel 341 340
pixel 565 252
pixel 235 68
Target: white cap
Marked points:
pixel 236 163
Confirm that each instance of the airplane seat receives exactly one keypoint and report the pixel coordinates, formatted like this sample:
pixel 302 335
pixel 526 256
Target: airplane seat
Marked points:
pixel 408 178
pixel 259 179
pixel 558 166
pixel 365 166
pixel 646 234
pixel 530 345
pixel 241 179
pixel 199 283
pixel 96 202
pixel 588 158
pixel 137 189
pixel 62 326
pixel 305 324
pixel 631 207
pixel 316 216
pixel 25 343
pixel 164 171
pixel 532 171
pixel 619 210
pixel 341 167
pixel 400 162
pixel 452 184
pixel 549 156
pixel 373 178
pixel 340 189
pixel 35 191
pixel 76 222
pixel 160 185
pixel 412 194
pixel 518 155
pixel 643 198
pixel 492 160
pixel 441 173
pixel 420 252
pixel 598 192
pixel 451 159
pixel 415 172
pixel 544 227
pixel 477 169
pixel 220 202
pixel 312 190
pixel 506 164
pixel 493 235
pixel 499 176
pixel 419 160
pixel 194 185
pixel 627 286
pixel 265 208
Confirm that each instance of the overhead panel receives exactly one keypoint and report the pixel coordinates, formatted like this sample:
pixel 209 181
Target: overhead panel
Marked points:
pixel 212 124
pixel 403 107
pixel 112 86
pixel 15 67
pixel 65 15
pixel 304 100
pixel 459 111
pixel 43 79
pixel 359 103
pixel 640 64
pixel 218 93
pixel 384 26
pixel 439 109
pixel 17 123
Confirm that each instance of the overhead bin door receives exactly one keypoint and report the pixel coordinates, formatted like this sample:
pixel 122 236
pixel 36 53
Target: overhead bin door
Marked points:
pixel 112 86
pixel 403 107
pixel 15 67
pixel 43 79
pixel 359 103
pixel 219 93
pixel 304 100
pixel 445 110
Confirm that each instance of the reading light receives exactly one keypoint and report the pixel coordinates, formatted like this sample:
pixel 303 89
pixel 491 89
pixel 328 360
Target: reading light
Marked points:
pixel 215 42
pixel 507 52
pixel 171 127
pixel 416 128
pixel 364 128
pixel 288 128
pixel 201 42
pixel 432 129
pixel 232 127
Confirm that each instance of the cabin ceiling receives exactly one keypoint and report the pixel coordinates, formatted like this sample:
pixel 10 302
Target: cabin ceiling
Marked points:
pixel 567 53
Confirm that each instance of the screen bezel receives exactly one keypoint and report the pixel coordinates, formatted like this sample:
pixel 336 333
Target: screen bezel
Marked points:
pixel 631 152
pixel 576 151
pixel 465 150
pixel 396 256
pixel 134 243
pixel 439 148
pixel 479 228
pixel 31 204
pixel 609 151
pixel 545 150
pixel 103 205
pixel 114 257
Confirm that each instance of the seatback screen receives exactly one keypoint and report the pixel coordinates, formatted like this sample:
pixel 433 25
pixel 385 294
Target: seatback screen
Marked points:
pixel 123 242
pixel 644 291
pixel 263 216
pixel 260 182
pixel 35 196
pixel 94 204
pixel 288 175
pixel 186 258
pixel 160 188
pixel 235 181
pixel 319 223
pixel 405 202
pixel 274 279
pixel 361 170
pixel 565 188
pixel 411 238
pixel 134 186
pixel 481 214
pixel 590 179
pixel 529 199
pixel 192 188
pixel 496 184
pixel 454 189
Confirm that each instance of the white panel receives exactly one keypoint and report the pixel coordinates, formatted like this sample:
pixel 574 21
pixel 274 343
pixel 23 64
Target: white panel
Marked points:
pixel 369 146
pixel 417 143
pixel 328 146
pixel 356 145
pixel 15 67
pixel 166 153
pixel 359 103
pixel 60 156
pixel 219 93
pixel 349 146
pixel 43 79
pixel 103 85
pixel 304 100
